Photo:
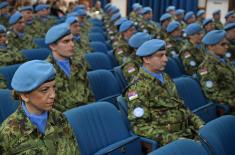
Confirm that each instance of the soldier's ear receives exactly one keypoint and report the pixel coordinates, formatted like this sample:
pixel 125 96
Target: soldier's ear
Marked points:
pixel 146 60
pixel 25 97
pixel 52 47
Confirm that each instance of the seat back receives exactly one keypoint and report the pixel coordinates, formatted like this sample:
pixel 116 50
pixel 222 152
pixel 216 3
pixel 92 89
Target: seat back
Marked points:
pixel 96 36
pixel 190 91
pixel 36 53
pixel 117 71
pixel 7 72
pixel 98 46
pixel 172 68
pixel 7 104
pixel 99 128
pixel 218 135
pixel 181 147
pixel 40 43
pixel 98 60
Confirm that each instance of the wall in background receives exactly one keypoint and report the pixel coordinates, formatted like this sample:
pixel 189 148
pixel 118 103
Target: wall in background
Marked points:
pixel 212 5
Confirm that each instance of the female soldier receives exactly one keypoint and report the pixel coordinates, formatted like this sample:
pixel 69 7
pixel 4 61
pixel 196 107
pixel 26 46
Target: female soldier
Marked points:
pixel 35 127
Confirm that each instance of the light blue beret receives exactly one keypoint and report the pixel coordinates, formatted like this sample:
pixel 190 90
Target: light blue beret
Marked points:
pixel 146 10
pixel 216 12
pixel 230 13
pixel 41 7
pixel 188 15
pixel 150 47
pixel 165 16
pixel 24 8
pixel 207 21
pixel 136 6
pixel 138 39
pixel 200 12
pixel 125 26
pixel 179 12
pixel 170 8
pixel 81 12
pixel 213 37
pixel 114 10
pixel 81 6
pixel 72 14
pixel 31 75
pixel 2 29
pixel 57 32
pixel 3 4
pixel 15 17
pixel 115 17
pixel 172 26
pixel 120 21
pixel 71 19
pixel 193 28
pixel 107 6
pixel 229 26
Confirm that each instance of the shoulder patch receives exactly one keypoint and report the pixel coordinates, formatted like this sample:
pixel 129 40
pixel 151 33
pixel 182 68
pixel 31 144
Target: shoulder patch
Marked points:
pixel 132 95
pixel 119 51
pixel 203 71
pixel 187 55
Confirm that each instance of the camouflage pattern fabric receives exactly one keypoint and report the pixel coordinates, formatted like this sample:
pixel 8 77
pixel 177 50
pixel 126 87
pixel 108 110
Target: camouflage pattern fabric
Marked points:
pixel 174 46
pixel 230 54
pixel 10 56
pixel 218 25
pixel 2 82
pixel 151 27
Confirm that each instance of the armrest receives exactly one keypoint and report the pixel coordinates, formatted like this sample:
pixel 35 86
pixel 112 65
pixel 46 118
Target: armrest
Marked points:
pixel 203 107
pixel 222 109
pixel 112 99
pixel 150 142
pixel 117 145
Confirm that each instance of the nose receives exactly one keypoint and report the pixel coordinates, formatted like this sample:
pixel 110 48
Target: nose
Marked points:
pixel 52 93
pixel 165 58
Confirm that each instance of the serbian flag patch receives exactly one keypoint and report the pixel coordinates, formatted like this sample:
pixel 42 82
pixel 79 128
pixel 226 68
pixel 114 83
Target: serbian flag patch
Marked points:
pixel 132 95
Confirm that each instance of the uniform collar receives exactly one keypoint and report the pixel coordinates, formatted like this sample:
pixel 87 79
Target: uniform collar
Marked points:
pixel 158 76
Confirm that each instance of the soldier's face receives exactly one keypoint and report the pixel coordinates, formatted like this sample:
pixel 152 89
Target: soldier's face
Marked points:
pixel 129 32
pixel 20 25
pixel 217 16
pixel 3 38
pixel 231 19
pixel 42 99
pixel 231 34
pixel 28 15
pixel 220 48
pixel 75 28
pixel 157 61
pixel 64 48
pixel 42 13
pixel 209 27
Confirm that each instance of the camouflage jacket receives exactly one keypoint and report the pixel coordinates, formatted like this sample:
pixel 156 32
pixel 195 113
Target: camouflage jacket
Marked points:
pixel 191 58
pixel 19 136
pixel 4 21
pixel 156 111
pixel 79 56
pixel 230 54
pixel 15 42
pixel 174 46
pixel 218 25
pixel 3 84
pixel 73 91
pixel 10 56
pixel 217 80
pixel 151 27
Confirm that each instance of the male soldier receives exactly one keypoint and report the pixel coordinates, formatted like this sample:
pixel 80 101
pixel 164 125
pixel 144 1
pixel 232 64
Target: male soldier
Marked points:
pixel 230 36
pixel 175 40
pixel 4 13
pixel 135 14
pixel 192 54
pixel 229 17
pixel 201 15
pixel 131 67
pixel 148 24
pixel 154 108
pixel 164 20
pixel 171 10
pixel 179 16
pixel 208 25
pixel 189 18
pixel 122 50
pixel 17 38
pixel 216 73
pixel 8 56
pixel 216 16
pixel 72 83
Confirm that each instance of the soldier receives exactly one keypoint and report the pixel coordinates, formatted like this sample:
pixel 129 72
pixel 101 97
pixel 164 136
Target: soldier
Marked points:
pixel 121 50
pixel 131 67
pixel 189 18
pixel 229 17
pixel 175 40
pixel 154 108
pixel 4 13
pixel 97 11
pixel 164 20
pixel 201 15
pixel 192 53
pixel 35 127
pixel 17 38
pixel 135 13
pixel 8 56
pixel 230 36
pixel 208 25
pixel 216 16
pixel 72 83
pixel 216 73
pixel 171 10
pixel 179 16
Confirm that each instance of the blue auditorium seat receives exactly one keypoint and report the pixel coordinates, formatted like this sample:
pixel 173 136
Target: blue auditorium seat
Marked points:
pixel 172 68
pixel 99 130
pixel 97 29
pixel 40 43
pixel 117 71
pixel 190 91
pixel 7 104
pixel 181 147
pixel 96 36
pixel 98 46
pixel 97 60
pixel 218 135
pixel 36 53
pixel 7 72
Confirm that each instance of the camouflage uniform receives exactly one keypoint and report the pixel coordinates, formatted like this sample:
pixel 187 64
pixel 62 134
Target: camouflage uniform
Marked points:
pixel 10 56
pixel 19 136
pixel 174 45
pixel 164 117
pixel 33 29
pixel 4 21
pixel 80 53
pixel 231 52
pixel 2 82
pixel 218 25
pixel 14 41
pixel 163 34
pixel 151 28
pixel 73 91
pixel 217 80
pixel 191 57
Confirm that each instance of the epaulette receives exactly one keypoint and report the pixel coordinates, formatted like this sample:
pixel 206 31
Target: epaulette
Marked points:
pixel 133 82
